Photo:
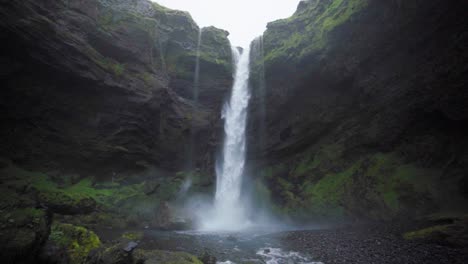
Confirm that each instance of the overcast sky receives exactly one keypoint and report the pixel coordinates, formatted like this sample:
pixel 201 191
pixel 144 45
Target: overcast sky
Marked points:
pixel 244 19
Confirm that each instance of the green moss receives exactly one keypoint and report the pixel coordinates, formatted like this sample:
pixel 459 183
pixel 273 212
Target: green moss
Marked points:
pixel 146 77
pixel 111 19
pixel 110 65
pixel 159 7
pixel 326 197
pixel 182 63
pixel 117 68
pixel 427 233
pixel 133 235
pixel 311 160
pixel 117 198
pixel 395 179
pixel 378 186
pixel 311 29
pixel 78 241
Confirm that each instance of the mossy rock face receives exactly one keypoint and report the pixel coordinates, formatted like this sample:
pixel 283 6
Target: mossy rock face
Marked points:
pixel 167 257
pixel 353 144
pixel 322 184
pixel 307 31
pixel 91 204
pixel 62 203
pixel 97 220
pixel 23 231
pixel 118 58
pixel 73 243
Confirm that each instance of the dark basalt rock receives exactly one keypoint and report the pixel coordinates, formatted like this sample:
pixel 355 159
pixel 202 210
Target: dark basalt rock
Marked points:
pixel 90 111
pixel 23 232
pixel 91 86
pixel 361 98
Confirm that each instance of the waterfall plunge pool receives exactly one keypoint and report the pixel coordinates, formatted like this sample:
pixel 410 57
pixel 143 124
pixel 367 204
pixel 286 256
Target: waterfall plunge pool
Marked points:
pixel 248 246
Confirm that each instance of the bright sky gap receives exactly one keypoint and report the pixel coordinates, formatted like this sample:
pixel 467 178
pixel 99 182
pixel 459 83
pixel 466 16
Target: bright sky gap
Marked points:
pixel 244 19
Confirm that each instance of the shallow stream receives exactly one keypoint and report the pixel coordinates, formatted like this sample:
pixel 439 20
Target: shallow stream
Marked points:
pixel 251 246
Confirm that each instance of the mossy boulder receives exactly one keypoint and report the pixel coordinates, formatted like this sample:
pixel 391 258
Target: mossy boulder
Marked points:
pixel 62 203
pixel 69 243
pixel 23 232
pixel 112 253
pixel 125 251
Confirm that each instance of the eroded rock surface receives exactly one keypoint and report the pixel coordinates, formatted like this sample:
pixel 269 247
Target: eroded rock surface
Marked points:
pixel 366 111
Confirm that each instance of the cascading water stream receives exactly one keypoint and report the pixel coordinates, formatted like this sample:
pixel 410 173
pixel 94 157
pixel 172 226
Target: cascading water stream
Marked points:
pixel 259 87
pixel 196 79
pixel 229 212
pixel 191 147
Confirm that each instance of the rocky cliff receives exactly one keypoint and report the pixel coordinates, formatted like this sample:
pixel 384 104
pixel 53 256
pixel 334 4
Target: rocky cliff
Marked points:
pixel 98 86
pixel 96 119
pixel 366 114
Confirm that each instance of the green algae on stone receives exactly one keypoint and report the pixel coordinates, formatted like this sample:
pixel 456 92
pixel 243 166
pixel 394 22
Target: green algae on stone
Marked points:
pixel 78 241
pixel 427 233
pixel 133 235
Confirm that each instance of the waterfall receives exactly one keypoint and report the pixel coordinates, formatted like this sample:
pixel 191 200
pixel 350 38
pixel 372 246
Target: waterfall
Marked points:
pixel 259 91
pixel 229 212
pixel 196 79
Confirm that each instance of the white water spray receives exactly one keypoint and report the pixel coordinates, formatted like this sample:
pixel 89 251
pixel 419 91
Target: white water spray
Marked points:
pixel 229 212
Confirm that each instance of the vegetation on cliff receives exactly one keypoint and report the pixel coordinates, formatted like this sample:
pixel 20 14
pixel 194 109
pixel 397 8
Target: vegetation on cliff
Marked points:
pixel 353 135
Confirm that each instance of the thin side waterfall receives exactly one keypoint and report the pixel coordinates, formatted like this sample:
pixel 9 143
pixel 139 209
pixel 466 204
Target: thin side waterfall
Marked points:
pixel 229 212
pixel 196 79
pixel 258 62
pixel 190 166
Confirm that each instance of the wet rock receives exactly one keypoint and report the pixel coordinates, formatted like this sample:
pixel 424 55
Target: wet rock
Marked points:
pixel 23 232
pixel 130 246
pixel 160 256
pixel 108 101
pixel 330 121
pixel 208 258
pixel 358 244
pixel 69 244
pixel 113 253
